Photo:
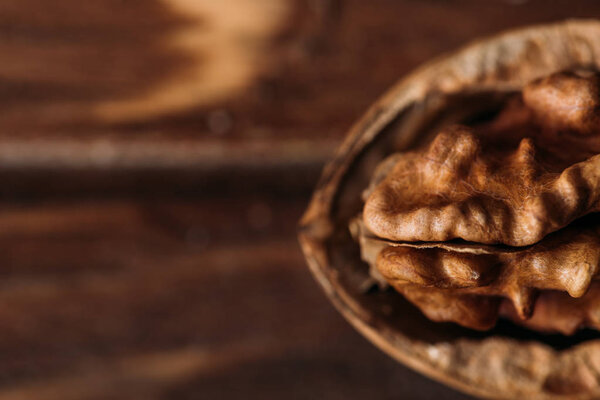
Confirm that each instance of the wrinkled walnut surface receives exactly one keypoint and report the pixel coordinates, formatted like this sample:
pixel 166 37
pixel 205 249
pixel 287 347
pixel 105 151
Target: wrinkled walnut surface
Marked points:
pixel 516 193
pixel 496 186
pixel 505 362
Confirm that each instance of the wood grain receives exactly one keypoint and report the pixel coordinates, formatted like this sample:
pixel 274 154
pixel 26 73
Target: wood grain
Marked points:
pixel 106 80
pixel 155 156
pixel 128 299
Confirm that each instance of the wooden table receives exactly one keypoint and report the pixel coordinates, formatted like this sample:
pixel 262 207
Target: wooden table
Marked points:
pixel 155 157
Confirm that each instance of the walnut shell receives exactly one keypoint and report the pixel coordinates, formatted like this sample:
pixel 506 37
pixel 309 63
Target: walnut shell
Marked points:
pixel 507 361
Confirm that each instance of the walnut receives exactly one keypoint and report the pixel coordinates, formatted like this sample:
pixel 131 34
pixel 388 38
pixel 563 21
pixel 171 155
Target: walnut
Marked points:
pixel 472 191
pixel 566 101
pixel 461 187
pixel 466 284
pixel 489 184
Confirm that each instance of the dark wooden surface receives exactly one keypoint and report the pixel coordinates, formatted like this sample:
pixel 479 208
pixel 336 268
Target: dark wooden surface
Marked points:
pixel 155 157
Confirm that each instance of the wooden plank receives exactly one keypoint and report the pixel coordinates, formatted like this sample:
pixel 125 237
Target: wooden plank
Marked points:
pixel 142 299
pixel 124 96
pixel 231 70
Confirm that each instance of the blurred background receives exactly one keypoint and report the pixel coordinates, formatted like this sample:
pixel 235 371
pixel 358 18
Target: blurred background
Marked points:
pixel 155 157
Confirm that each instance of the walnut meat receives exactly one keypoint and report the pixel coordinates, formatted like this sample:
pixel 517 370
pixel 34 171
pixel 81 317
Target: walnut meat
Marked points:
pixel 506 182
pixel 489 187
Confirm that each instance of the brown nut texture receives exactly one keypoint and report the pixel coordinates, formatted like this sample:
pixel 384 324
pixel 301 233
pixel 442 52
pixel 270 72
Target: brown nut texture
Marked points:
pixel 566 101
pixel 508 182
pixel 465 283
pixel 510 125
pixel 479 188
